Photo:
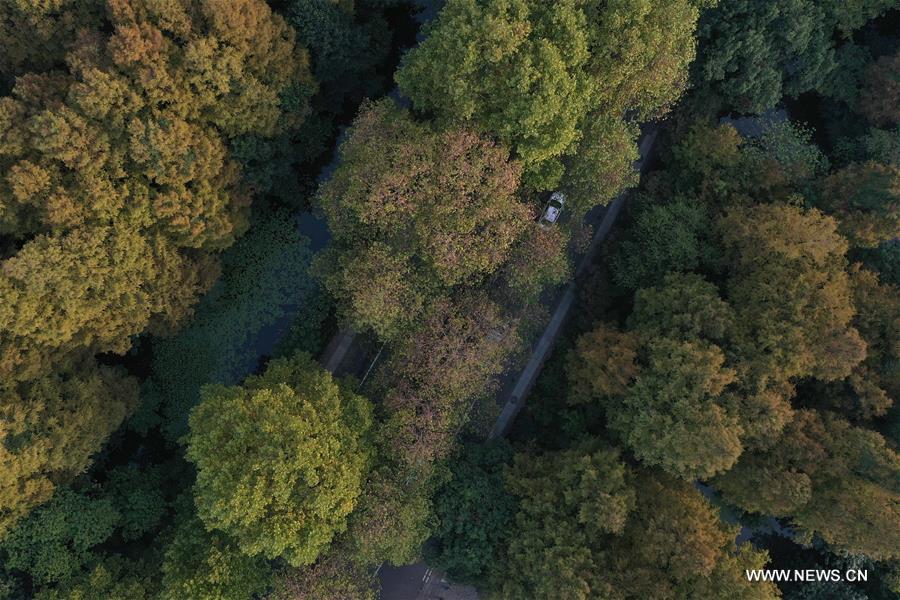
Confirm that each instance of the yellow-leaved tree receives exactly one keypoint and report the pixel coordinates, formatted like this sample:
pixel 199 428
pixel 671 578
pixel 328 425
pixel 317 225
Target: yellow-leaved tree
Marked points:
pixel 116 181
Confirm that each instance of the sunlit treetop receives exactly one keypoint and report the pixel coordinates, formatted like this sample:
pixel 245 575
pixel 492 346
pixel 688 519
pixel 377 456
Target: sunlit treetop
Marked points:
pixel 536 74
pixel 117 163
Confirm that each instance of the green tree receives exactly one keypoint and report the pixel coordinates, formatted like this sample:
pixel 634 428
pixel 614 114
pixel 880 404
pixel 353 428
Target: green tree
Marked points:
pixel 603 164
pixel 112 578
pixel 684 306
pixel 568 502
pixel 715 166
pixel 345 48
pixel 884 260
pixel 538 75
pixel 865 198
pixel 754 52
pixel 705 157
pixel 853 14
pixel 669 385
pixel 51 428
pixel 394 518
pixel 56 540
pixel 640 52
pixel 880 95
pixel 673 415
pixel 664 237
pixel 514 67
pixel 138 496
pixel 845 80
pixel 791 292
pixel 688 308
pixel 207 565
pixel 474 511
pixel 831 478
pixel 281 459
pixel 332 577
pixel 883 145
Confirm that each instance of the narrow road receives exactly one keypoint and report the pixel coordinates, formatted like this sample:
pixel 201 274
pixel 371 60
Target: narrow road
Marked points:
pixel 334 353
pixel 525 381
pixel 421 582
pixel 417 581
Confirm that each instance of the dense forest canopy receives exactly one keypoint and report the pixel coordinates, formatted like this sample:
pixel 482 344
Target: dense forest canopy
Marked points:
pixel 273 273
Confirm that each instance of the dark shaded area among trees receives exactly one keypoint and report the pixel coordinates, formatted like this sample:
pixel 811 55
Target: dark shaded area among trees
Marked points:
pixel 721 400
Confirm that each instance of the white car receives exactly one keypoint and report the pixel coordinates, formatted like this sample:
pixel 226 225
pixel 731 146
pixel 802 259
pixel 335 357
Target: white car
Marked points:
pixel 553 209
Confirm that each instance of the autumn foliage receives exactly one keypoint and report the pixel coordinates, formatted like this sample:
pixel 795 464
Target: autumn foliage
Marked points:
pixel 116 178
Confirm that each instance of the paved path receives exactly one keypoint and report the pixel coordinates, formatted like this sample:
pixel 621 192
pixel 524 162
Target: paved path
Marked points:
pixel 421 582
pixel 529 374
pixel 527 377
pixel 418 581
pixel 337 348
